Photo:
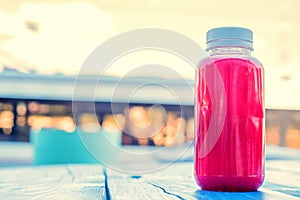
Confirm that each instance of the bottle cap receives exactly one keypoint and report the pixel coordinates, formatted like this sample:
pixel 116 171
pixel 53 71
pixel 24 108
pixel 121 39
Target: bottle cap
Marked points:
pixel 229 36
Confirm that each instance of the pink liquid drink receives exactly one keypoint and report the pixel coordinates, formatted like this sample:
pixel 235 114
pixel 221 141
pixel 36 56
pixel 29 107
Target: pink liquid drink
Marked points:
pixel 229 114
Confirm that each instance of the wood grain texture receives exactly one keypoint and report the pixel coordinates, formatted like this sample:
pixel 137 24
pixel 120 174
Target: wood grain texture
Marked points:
pixel 53 182
pixel 283 177
pixel 123 186
pixel 176 181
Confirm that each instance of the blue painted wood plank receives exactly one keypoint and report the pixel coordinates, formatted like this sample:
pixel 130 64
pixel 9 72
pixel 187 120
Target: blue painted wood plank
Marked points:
pixel 283 176
pixel 282 153
pixel 124 186
pixel 53 182
pixel 178 180
pixel 173 182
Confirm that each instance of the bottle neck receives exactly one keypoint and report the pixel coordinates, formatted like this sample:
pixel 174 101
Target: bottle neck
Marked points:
pixel 222 51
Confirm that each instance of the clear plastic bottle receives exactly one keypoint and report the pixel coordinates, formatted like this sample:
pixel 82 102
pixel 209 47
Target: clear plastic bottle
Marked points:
pixel 229 114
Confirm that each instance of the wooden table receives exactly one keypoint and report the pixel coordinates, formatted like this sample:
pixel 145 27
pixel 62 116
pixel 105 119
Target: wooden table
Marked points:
pixel 86 181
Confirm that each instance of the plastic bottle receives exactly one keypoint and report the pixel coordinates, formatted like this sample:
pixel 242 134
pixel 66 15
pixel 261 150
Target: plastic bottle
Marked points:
pixel 229 114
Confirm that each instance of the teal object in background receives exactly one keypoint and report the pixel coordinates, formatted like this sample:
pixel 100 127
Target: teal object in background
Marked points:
pixel 54 146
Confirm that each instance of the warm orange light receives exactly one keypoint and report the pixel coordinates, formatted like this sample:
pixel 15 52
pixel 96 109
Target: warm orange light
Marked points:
pixel 6 119
pixel 21 109
pixel 21 121
pixel 113 123
pixel 89 122
pixel 7 131
pixel 190 130
pixel 43 108
pixel 65 123
pixel 139 116
pixel 120 121
pixel 42 122
pixel 33 107
pixel 159 139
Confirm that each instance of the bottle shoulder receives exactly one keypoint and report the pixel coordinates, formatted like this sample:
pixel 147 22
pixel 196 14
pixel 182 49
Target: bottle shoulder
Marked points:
pixel 209 60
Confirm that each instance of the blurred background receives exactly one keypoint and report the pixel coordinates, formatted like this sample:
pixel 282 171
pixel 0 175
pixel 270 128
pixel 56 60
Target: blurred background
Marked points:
pixel 43 44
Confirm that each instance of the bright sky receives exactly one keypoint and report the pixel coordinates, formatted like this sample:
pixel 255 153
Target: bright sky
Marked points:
pixel 57 36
